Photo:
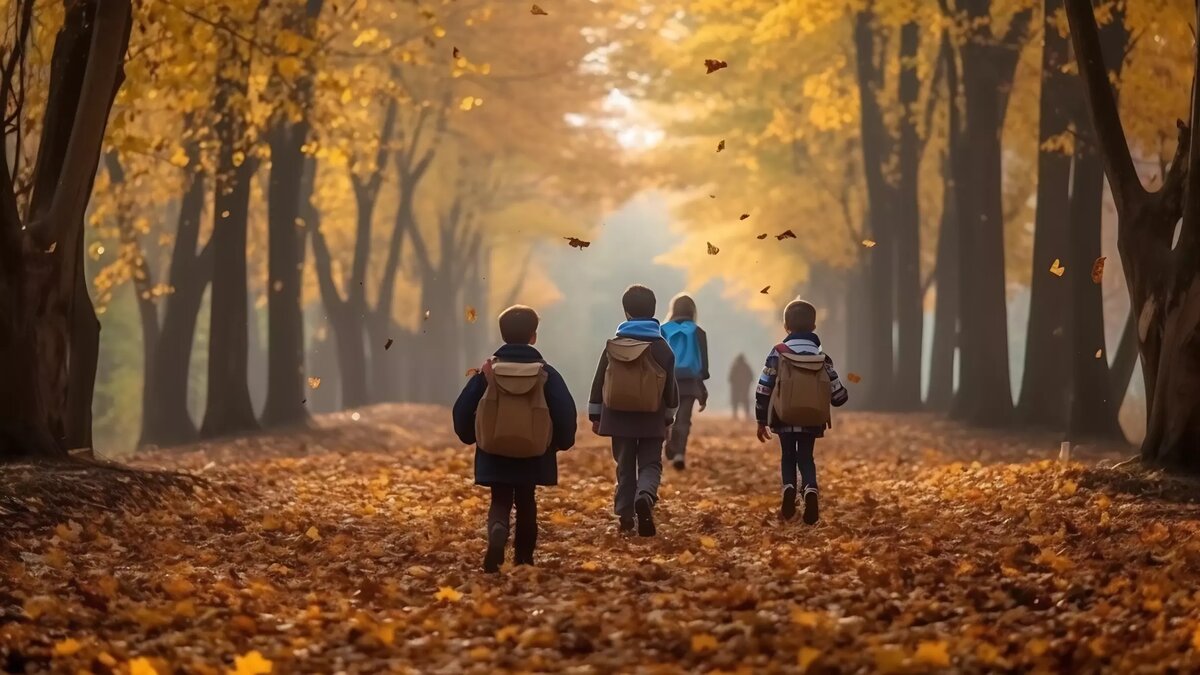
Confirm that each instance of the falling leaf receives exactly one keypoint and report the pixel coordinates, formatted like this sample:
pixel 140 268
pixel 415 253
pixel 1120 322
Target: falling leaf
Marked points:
pixel 427 315
pixel 53 246
pixel 786 234
pixel 721 145
pixel 854 378
pixel 712 250
pixel 313 534
pixel 67 647
pixel 457 53
pixel 575 242
pixel 744 216
pixel 1098 270
pixel 712 196
pixel 252 663
pixel 448 594
pixel 388 345
pixel 868 243
pixel 471 315
pixel 806 657
pixel 703 642
pixel 713 65
pixel 314 383
pixel 538 11
pixel 933 653
pixel 1099 353
pixel 1057 269
pixel 472 372
pixel 765 290
pixel 764 235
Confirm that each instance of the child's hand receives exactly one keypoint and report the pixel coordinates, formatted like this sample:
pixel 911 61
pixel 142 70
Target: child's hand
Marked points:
pixel 764 433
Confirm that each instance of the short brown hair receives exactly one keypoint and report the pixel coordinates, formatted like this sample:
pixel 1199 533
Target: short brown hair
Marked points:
pixel 639 302
pixel 682 307
pixel 800 316
pixel 518 324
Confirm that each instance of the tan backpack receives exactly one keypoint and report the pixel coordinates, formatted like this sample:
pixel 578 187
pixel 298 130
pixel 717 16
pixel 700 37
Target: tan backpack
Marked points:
pixel 802 392
pixel 513 419
pixel 634 381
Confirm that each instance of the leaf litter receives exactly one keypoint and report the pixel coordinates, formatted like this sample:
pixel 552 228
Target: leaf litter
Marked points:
pixel 356 547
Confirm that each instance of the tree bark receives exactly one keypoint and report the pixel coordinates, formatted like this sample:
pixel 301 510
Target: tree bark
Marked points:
pixel 880 260
pixel 945 323
pixel 1043 398
pixel 229 409
pixel 988 67
pixel 910 300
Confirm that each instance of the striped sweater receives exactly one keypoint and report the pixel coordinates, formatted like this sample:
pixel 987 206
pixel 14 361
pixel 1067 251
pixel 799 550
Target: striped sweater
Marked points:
pixel 800 343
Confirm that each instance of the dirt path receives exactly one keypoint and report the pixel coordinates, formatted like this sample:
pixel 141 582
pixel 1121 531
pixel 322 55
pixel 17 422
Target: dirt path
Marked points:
pixel 356 547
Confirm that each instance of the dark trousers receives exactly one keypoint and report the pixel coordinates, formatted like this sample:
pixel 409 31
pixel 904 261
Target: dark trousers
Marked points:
pixel 504 497
pixel 682 429
pixel 639 469
pixel 744 405
pixel 798 454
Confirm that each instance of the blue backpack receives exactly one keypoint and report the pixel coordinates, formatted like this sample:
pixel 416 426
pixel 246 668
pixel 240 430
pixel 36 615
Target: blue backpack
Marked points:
pixel 681 336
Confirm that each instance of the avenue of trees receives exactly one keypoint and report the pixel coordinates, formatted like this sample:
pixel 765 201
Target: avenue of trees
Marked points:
pixel 339 190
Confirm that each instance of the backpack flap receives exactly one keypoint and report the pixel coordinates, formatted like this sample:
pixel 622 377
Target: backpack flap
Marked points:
pixel 516 379
pixel 805 361
pixel 626 350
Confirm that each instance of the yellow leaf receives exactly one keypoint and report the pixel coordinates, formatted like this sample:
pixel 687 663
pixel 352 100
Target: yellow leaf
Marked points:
pixel 487 610
pixel 854 378
pixel 868 243
pixel 508 633
pixel 933 653
pixel 472 316
pixel 314 382
pixel 448 594
pixel 313 534
pixel 590 566
pixel 252 663
pixel 271 522
pixel 180 158
pixel 142 666
pixel 708 542
pixel 1196 639
pixel 480 654
pixel 67 647
pixel 178 587
pixel 806 657
pixel 703 642
pixel 1070 488
pixel 239 158
pixel 1057 268
pixel 1099 353
pixel 686 558
pixel 804 618
pixel 386 633
pixel 107 659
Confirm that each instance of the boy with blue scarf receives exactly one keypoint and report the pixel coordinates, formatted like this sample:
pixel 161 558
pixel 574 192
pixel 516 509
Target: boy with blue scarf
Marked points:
pixel 637 437
pixel 797 443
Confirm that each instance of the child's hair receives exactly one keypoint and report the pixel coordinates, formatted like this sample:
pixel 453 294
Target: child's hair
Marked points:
pixel 682 307
pixel 639 302
pixel 800 316
pixel 518 324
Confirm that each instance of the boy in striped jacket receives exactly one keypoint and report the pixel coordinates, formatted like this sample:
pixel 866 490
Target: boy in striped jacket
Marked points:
pixel 800 322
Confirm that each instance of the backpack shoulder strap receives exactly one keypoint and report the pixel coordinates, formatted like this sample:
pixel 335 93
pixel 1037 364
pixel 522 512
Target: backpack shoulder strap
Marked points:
pixel 782 348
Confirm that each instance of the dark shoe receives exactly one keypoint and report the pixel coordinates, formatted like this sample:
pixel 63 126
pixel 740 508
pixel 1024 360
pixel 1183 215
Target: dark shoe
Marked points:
pixel 679 464
pixel 644 506
pixel 626 524
pixel 787 510
pixel 812 513
pixel 523 558
pixel 497 538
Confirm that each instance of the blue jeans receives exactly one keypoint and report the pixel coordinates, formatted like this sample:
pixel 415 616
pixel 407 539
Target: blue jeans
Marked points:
pixel 797 453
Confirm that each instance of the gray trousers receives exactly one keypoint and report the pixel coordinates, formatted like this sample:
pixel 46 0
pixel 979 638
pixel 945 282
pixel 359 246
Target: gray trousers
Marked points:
pixel 677 442
pixel 639 469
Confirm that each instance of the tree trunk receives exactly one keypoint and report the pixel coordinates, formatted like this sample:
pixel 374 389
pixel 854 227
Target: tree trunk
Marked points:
pixel 988 67
pixel 945 323
pixel 1043 398
pixel 229 410
pixel 910 300
pixel 165 417
pixel 879 369
pixel 285 259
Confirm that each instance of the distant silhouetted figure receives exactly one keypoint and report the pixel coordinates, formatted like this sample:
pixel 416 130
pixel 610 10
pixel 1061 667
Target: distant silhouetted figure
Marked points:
pixel 741 378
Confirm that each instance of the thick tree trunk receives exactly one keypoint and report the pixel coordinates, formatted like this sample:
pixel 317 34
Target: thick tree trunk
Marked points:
pixel 229 409
pixel 165 417
pixel 945 322
pixel 879 370
pixel 285 260
pixel 1043 398
pixel 988 66
pixel 910 300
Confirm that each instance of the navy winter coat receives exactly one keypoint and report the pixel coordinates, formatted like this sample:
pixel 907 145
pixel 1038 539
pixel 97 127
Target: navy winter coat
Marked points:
pixel 496 470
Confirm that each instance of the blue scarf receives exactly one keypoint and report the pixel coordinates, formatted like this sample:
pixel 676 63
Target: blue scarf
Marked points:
pixel 643 329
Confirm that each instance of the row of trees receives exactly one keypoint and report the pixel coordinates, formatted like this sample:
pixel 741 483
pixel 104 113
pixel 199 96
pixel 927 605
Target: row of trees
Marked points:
pixel 421 151
pixel 934 158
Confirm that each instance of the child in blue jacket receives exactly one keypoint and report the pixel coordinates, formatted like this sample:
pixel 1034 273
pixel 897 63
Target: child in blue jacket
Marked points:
pixel 689 342
pixel 514 481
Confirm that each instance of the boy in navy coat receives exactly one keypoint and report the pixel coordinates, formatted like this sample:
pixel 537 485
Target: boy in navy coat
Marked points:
pixel 513 481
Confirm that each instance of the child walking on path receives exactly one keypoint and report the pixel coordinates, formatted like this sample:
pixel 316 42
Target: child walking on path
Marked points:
pixel 689 343
pixel 797 386
pixel 634 400
pixel 520 414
